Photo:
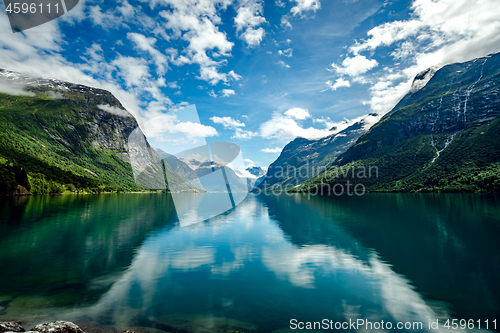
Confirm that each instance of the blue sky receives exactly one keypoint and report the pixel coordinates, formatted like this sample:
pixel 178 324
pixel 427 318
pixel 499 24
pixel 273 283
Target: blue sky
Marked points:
pixel 259 72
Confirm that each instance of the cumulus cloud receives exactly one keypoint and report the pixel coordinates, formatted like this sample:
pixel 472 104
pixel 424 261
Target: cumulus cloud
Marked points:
pixel 287 53
pixel 227 122
pixel 249 162
pixel 146 44
pixel 228 92
pixel 271 150
pixel 173 85
pixel 355 66
pixel 438 32
pixel 253 36
pixel 197 24
pixel 236 125
pixel 298 113
pixel 240 134
pixel 340 82
pixel 304 6
pixel 166 124
pixel 283 64
pixel 288 126
pixel 249 17
pixel 285 127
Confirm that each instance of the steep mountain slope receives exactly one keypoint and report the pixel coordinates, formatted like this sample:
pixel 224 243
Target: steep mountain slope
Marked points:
pixel 65 136
pixel 442 137
pixel 303 159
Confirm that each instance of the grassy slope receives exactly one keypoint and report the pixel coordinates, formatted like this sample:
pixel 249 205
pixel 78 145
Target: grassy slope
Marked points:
pixel 50 138
pixel 26 126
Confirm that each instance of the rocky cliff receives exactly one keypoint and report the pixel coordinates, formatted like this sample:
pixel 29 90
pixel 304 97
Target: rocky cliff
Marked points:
pixel 65 136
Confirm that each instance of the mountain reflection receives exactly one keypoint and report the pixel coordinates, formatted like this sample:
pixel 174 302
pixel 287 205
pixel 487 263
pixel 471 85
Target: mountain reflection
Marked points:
pixel 243 265
pixel 256 267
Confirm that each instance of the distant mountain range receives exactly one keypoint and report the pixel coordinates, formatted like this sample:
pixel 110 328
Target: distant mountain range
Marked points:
pixel 444 135
pixel 303 159
pixel 254 176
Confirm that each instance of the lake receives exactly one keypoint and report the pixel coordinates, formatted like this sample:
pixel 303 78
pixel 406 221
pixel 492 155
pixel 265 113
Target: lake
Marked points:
pixel 116 262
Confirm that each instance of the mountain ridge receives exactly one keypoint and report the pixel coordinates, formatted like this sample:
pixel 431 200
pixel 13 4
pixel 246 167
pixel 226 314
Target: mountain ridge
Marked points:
pixel 64 136
pixel 444 136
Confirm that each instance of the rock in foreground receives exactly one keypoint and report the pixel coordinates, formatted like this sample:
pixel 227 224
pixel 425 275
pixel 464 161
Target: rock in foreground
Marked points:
pixel 57 327
pixel 10 326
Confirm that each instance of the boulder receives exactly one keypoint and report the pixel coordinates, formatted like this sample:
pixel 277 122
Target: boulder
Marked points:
pixel 57 327
pixel 20 190
pixel 10 326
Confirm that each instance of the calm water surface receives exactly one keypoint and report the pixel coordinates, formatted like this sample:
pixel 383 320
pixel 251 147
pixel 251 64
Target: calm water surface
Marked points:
pixel 124 261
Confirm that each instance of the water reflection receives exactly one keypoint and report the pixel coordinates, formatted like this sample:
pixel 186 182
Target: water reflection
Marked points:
pixel 276 258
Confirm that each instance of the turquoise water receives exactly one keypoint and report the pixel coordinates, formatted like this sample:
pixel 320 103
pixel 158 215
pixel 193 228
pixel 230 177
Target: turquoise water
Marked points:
pixel 124 261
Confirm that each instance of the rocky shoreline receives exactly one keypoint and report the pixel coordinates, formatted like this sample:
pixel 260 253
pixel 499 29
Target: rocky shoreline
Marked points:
pixel 53 327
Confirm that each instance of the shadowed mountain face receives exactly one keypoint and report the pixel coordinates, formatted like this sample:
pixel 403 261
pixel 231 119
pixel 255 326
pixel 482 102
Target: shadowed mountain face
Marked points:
pixel 68 133
pixel 303 159
pixel 442 137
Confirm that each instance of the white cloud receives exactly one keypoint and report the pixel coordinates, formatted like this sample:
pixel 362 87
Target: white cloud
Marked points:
pixel 271 150
pixel 114 110
pixel 438 32
pixel 287 53
pixel 112 18
pixel 13 87
pixel 340 82
pixel 253 36
pixel 355 66
pixel 234 76
pixel 298 113
pixel 248 18
pixel 228 92
pixel 285 128
pixel 212 75
pixel 285 22
pixel 305 5
pixel 197 24
pixel 147 44
pixel 283 64
pixel 166 124
pixel 249 163
pixel 134 71
pixel 235 125
pixel 227 122
pixel 173 85
pixel 241 134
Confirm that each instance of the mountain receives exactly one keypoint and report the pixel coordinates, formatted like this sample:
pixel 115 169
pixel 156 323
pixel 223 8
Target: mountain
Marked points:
pixel 303 159
pixel 442 136
pixel 64 136
pixel 200 172
pixel 180 168
pixel 253 175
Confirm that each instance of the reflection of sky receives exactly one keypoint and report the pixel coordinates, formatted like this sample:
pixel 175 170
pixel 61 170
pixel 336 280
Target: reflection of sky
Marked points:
pixel 238 264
